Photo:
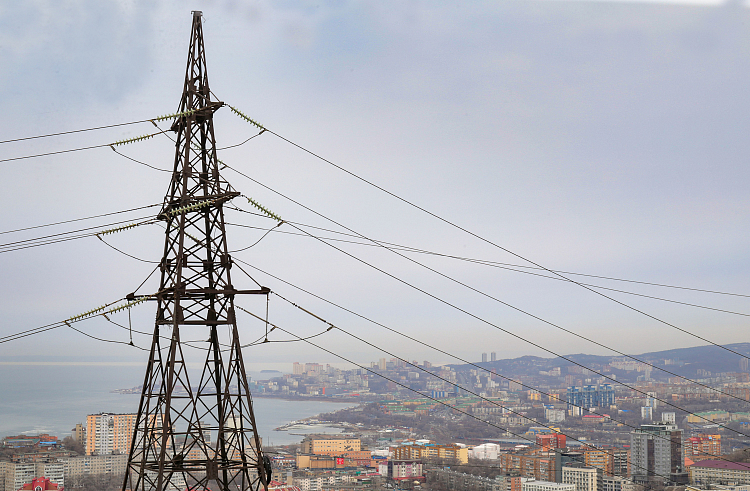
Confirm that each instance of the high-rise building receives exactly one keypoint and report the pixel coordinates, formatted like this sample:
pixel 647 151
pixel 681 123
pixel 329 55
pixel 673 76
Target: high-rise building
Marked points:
pixel 298 368
pixel 107 433
pixel 656 452
pixel 590 396
pixel 484 357
pixel 382 364
pixel 493 357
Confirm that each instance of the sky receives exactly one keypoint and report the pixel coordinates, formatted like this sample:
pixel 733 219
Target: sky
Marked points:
pixel 596 137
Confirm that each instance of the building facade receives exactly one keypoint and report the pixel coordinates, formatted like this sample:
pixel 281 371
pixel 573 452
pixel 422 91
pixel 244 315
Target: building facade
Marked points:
pixel 109 433
pixel 422 451
pixel 707 472
pixel 590 396
pixel 330 446
pixel 584 478
pixel 656 452
pixel 534 485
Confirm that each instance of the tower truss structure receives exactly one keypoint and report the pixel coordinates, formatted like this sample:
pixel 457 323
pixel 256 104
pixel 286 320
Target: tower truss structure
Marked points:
pixel 198 433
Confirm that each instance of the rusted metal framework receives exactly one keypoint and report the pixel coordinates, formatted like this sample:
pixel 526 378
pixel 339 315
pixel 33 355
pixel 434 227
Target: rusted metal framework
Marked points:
pixel 203 436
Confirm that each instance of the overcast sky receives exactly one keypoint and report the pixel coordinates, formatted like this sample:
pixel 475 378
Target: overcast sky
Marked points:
pixel 607 138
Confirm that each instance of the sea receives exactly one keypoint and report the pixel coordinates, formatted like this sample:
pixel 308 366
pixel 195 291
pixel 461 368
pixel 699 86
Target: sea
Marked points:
pixel 53 398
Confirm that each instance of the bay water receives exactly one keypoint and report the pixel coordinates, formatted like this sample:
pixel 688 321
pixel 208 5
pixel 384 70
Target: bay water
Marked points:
pixel 53 398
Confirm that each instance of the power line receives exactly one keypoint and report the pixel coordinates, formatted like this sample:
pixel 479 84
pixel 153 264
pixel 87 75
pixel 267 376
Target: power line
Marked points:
pixel 411 338
pixel 52 236
pixel 54 153
pixel 482 262
pixel 566 358
pixel 64 237
pixel 430 397
pixel 480 292
pixel 74 131
pixel 452 224
pixel 485 262
pixel 79 219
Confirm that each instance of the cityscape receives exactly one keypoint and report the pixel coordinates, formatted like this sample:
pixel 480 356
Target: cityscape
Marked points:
pixel 384 246
pixel 416 424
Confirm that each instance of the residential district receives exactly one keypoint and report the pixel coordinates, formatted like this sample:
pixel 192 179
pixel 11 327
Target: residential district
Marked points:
pixel 527 424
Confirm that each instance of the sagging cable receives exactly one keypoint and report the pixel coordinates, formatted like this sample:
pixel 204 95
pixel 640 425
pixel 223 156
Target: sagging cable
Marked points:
pixel 246 118
pixel 330 326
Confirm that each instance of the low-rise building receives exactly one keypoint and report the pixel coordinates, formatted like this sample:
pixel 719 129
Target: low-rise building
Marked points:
pixel 16 474
pixel 712 471
pixel 534 485
pixel 41 484
pixel 330 446
pixel 459 481
pixel 617 483
pixel 400 470
pixel 431 450
pixel 584 478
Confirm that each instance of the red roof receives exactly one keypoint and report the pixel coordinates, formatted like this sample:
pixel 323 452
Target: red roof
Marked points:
pixel 41 483
pixel 722 464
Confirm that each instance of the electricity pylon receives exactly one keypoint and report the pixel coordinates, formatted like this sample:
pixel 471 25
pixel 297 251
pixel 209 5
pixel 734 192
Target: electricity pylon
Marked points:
pixel 196 437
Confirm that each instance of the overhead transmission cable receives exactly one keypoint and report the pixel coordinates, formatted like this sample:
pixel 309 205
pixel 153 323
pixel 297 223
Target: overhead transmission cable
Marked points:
pixel 90 147
pixel 436 400
pixel 476 290
pixel 67 236
pixel 411 338
pixel 455 384
pixel 79 219
pixel 563 357
pixel 452 224
pixel 475 261
pixel 539 346
pixel 484 262
pixel 60 133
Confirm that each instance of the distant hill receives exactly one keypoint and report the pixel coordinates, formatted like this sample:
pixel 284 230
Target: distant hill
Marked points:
pixel 682 361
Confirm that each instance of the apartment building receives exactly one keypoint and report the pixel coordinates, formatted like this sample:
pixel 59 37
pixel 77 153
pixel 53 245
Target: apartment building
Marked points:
pixel 14 475
pixel 584 478
pixel 707 472
pixel 656 452
pixel 534 485
pixel 107 433
pixel 617 483
pixel 330 446
pixel 86 465
pixel 703 446
pixel 459 481
pixel 540 467
pixel 421 451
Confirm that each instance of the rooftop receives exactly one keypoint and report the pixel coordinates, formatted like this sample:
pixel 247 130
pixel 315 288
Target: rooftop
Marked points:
pixel 722 464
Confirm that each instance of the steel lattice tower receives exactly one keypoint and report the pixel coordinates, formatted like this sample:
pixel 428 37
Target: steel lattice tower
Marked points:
pixel 190 437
